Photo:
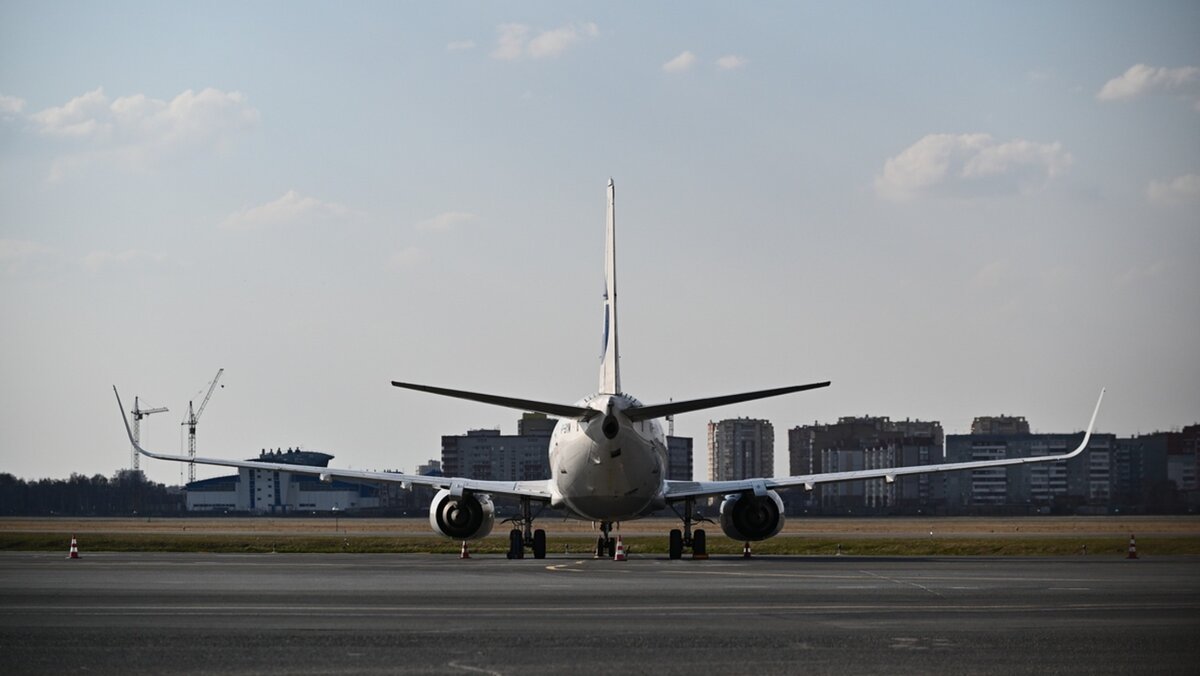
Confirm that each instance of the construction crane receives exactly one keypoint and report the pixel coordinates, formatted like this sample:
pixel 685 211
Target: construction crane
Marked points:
pixel 139 413
pixel 193 417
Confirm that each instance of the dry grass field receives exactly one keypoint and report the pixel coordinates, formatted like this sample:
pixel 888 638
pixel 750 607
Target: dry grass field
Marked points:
pixel 958 536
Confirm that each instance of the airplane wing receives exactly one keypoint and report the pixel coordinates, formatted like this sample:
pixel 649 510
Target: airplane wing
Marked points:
pixel 678 490
pixel 537 490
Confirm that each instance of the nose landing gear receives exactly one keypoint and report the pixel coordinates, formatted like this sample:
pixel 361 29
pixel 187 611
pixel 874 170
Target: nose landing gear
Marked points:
pixel 606 547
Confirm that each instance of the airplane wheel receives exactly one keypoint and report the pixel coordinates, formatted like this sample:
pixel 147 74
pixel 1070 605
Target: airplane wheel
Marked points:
pixel 675 546
pixel 600 548
pixel 539 544
pixel 699 544
pixel 516 545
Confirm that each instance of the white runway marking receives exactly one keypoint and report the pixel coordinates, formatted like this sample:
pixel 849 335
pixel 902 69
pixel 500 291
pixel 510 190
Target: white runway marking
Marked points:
pixel 905 582
pixel 476 670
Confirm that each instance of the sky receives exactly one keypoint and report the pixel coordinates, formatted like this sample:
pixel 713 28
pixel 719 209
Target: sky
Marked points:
pixel 947 209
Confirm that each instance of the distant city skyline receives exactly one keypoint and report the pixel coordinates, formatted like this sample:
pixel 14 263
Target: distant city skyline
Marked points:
pixel 949 211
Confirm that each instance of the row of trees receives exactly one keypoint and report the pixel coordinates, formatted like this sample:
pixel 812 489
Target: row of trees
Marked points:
pixel 126 493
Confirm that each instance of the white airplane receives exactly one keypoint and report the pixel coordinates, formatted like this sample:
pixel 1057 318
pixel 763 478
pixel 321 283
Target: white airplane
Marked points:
pixel 608 458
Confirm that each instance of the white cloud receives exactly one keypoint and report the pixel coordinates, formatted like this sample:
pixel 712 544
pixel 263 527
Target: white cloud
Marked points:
pixel 98 260
pixel 140 119
pixel 556 41
pixel 21 255
pixel 409 257
pixel 684 61
pixel 513 40
pixel 11 105
pixel 291 209
pixel 731 62
pixel 510 42
pixel 136 131
pixel 20 249
pixel 966 165
pixel 447 220
pixel 1141 79
pixel 84 115
pixel 1181 190
pixel 460 45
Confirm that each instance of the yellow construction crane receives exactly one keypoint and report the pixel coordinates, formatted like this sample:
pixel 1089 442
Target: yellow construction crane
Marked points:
pixel 193 417
pixel 139 413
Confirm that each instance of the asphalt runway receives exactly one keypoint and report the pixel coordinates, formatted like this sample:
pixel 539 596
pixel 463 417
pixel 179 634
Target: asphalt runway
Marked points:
pixel 426 614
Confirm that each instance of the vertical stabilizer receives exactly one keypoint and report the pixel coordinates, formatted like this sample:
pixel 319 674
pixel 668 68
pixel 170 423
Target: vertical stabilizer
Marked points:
pixel 610 369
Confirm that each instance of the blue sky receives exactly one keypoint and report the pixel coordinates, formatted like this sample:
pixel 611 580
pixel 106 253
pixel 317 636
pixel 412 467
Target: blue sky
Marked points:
pixel 949 210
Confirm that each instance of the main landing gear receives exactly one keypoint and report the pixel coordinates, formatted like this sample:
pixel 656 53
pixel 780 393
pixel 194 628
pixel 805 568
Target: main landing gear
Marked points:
pixel 686 539
pixel 523 536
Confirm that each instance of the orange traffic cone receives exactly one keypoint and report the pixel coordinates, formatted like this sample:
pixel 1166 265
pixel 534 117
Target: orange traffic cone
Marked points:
pixel 746 551
pixel 1132 548
pixel 464 553
pixel 620 553
pixel 74 553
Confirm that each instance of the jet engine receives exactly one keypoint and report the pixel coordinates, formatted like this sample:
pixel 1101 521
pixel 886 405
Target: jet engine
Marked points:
pixel 468 517
pixel 748 517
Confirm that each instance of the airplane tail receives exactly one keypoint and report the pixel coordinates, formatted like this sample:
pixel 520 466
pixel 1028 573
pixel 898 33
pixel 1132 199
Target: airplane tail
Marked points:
pixel 610 367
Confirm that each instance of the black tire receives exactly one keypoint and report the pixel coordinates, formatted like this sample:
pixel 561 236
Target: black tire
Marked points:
pixel 699 543
pixel 539 544
pixel 600 548
pixel 612 548
pixel 675 544
pixel 516 545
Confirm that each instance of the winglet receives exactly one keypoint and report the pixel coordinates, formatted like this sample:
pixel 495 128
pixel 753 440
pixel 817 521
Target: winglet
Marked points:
pixel 124 419
pixel 1087 436
pixel 128 429
pixel 137 447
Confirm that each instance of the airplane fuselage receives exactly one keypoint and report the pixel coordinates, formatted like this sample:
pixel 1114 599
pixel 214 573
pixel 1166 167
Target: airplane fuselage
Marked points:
pixel 608 468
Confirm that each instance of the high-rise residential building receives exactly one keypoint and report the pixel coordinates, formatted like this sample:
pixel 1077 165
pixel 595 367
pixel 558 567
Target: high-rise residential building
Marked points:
pixel 492 456
pixel 740 448
pixel 679 458
pixel 1085 484
pixel 1000 424
pixel 867 442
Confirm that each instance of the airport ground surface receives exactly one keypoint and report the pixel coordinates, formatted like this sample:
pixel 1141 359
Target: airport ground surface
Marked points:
pixel 848 527
pixel 437 614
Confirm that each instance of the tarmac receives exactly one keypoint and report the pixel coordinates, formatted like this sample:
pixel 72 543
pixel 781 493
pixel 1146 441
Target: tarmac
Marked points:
pixel 437 614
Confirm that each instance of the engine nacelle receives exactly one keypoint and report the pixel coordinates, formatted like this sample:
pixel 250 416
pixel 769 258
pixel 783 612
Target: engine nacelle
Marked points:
pixel 748 518
pixel 469 517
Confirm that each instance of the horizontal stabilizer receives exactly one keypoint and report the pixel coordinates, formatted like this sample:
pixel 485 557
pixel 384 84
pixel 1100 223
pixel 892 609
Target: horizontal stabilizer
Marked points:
pixel 674 407
pixel 558 410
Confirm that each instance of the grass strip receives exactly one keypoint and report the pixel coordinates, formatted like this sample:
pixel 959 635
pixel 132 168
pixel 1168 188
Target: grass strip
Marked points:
pixel 795 546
